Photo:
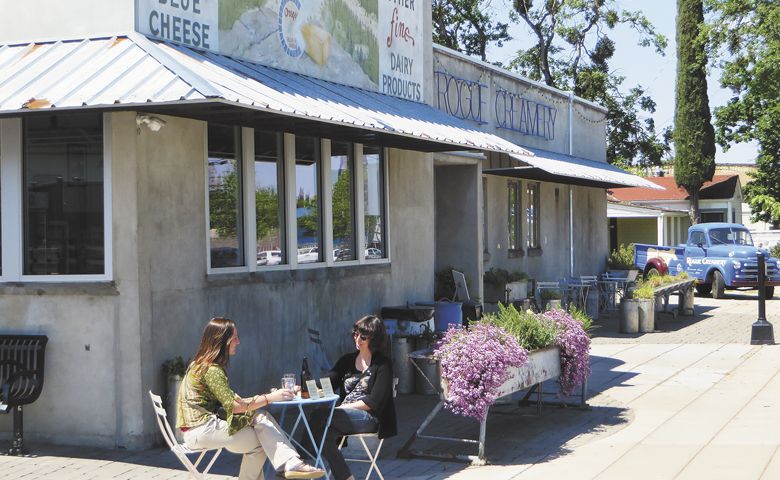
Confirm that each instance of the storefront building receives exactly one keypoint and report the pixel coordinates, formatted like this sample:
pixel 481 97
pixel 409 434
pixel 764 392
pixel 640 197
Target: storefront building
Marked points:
pixel 165 162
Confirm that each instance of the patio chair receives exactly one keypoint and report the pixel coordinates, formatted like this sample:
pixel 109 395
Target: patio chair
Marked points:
pixel 180 450
pixel 371 457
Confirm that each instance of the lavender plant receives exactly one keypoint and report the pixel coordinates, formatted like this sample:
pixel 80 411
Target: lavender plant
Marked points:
pixel 475 362
pixel 575 350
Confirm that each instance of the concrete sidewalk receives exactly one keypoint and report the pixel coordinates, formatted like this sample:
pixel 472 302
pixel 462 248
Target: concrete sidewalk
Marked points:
pixel 706 405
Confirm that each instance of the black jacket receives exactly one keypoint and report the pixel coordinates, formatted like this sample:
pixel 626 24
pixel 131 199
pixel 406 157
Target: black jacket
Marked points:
pixel 380 389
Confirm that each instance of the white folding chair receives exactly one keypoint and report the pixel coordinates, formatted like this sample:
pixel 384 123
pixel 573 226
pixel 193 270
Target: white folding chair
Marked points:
pixel 461 289
pixel 180 450
pixel 372 456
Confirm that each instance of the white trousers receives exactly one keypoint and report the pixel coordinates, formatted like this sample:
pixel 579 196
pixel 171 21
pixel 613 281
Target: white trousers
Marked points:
pixel 261 439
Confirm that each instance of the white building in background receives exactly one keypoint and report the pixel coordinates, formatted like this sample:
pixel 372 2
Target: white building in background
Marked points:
pixel 143 171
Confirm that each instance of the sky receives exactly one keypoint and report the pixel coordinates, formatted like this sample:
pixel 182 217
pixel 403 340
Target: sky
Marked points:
pixel 641 65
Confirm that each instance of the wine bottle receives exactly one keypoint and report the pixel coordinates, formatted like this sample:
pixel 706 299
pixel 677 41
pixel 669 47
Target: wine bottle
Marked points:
pixel 305 376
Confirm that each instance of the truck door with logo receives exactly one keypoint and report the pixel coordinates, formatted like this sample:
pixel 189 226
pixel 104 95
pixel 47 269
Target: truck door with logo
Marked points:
pixel 695 252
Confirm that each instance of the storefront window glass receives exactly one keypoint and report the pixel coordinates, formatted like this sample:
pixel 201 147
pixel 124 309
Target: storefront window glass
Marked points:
pixel 341 177
pixel 515 216
pixel 225 194
pixel 268 199
pixel 63 195
pixel 374 202
pixel 532 214
pixel 308 211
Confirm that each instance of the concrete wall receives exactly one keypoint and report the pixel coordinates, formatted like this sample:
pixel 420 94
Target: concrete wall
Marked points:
pixel 62 20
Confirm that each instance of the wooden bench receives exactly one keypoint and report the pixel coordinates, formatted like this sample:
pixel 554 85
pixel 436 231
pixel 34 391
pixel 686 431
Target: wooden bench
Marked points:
pixel 21 379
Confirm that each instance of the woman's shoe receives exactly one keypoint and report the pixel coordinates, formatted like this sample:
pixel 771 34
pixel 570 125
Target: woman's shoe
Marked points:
pixel 304 471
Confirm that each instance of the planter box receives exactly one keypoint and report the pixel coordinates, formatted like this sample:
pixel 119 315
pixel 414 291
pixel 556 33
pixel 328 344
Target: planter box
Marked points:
pixel 517 290
pixel 542 365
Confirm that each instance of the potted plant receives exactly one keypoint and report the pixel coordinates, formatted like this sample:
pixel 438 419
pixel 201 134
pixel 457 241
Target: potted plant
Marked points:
pixel 495 281
pixel 637 309
pixel 174 369
pixel 517 286
pixel 621 262
pixel 551 298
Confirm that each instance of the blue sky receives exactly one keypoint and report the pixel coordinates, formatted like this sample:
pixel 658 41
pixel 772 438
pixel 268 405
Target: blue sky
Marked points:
pixel 642 66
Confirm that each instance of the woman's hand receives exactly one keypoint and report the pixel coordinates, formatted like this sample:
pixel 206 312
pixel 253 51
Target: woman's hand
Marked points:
pixel 280 395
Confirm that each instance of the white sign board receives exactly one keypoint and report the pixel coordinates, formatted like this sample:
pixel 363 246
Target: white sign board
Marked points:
pixel 372 44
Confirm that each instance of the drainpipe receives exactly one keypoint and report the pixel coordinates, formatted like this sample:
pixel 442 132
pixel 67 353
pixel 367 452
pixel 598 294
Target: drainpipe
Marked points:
pixel 571 192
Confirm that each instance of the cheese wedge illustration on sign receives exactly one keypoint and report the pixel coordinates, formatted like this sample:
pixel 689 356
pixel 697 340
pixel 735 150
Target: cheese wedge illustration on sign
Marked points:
pixel 317 43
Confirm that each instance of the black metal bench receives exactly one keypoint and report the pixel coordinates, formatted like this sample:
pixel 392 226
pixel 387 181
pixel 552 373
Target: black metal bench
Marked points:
pixel 21 378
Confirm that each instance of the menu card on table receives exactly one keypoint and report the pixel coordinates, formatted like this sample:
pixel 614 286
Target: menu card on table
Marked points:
pixel 314 394
pixel 327 388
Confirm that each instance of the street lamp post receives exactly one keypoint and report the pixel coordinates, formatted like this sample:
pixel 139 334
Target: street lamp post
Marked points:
pixel 762 332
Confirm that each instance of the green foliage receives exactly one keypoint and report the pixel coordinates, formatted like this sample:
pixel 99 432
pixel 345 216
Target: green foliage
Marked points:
pixel 175 367
pixel 342 206
pixel 622 258
pixel 499 276
pixel 350 33
pixel 774 252
pixel 745 31
pixel 572 50
pixel 694 136
pixel 551 294
pixel 230 10
pixel 223 209
pixel 644 290
pixel 466 26
pixel 531 330
pixel 444 286
pixel 582 317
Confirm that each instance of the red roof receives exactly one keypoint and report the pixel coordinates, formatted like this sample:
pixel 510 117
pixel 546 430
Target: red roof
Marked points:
pixel 721 186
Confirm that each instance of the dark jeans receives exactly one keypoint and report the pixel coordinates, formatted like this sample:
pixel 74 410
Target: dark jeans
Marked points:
pixel 346 421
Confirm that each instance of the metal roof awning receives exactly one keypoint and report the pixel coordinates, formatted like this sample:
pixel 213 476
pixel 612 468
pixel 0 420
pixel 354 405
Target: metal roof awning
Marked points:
pixel 560 168
pixel 135 73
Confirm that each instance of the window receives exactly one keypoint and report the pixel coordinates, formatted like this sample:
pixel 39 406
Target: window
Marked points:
pixel 308 211
pixel 343 200
pixel 532 214
pixel 225 196
pixel 514 218
pixel 373 203
pixel 269 204
pixel 697 238
pixel 63 198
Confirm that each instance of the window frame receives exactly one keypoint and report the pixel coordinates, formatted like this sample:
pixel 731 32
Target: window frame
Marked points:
pixel 533 230
pixel 385 207
pixel 12 205
pixel 516 248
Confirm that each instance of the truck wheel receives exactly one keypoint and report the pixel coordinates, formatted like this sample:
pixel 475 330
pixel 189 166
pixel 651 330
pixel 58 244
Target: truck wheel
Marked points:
pixel 651 272
pixel 718 286
pixel 704 288
pixel 770 292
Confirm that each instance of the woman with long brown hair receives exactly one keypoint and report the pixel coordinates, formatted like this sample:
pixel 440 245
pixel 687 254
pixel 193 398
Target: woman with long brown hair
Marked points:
pixel 211 415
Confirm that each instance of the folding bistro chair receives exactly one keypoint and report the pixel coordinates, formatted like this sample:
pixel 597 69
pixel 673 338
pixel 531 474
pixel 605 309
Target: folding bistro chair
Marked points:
pixel 180 450
pixel 371 456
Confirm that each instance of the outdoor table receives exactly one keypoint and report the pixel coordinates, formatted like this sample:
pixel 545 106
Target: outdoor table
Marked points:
pixel 300 403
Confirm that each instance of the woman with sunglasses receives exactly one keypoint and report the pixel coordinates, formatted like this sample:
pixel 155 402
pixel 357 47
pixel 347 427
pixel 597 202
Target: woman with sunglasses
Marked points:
pixel 364 378
pixel 211 415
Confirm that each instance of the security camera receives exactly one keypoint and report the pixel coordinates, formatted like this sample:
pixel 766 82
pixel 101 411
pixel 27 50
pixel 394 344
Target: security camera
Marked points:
pixel 152 123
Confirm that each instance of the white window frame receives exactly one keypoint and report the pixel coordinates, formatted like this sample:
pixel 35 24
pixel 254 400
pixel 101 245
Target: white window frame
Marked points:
pixel 12 205
pixel 290 199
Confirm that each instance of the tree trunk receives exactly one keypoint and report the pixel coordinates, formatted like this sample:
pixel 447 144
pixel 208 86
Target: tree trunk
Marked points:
pixel 694 211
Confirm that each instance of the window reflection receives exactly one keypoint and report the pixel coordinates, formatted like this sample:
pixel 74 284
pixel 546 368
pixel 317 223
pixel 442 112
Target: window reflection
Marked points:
pixel 225 194
pixel 308 212
pixel 268 204
pixel 63 195
pixel 341 177
pixel 373 202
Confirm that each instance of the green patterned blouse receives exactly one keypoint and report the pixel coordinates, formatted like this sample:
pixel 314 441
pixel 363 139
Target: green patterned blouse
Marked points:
pixel 201 396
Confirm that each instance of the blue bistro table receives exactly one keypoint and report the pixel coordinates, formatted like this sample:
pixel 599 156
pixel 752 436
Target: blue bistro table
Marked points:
pixel 329 402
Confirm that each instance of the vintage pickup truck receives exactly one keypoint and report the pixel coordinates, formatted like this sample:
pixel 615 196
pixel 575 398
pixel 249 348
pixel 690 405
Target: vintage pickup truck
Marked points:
pixel 719 255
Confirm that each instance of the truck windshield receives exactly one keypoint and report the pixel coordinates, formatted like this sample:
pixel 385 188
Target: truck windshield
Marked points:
pixel 730 236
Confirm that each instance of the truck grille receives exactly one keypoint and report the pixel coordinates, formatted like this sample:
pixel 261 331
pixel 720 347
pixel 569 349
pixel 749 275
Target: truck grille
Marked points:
pixel 749 271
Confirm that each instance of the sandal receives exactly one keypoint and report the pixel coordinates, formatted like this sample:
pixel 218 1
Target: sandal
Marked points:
pixel 304 471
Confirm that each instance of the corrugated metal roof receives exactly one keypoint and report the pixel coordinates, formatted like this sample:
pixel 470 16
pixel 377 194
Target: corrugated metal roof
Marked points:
pixel 598 173
pixel 133 70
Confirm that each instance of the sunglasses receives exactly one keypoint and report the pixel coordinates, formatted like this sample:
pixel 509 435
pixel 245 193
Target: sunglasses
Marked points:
pixel 362 337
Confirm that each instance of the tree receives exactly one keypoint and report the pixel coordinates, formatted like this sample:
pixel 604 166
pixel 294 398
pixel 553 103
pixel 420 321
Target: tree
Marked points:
pixel 694 136
pixel 572 50
pixel 465 26
pixel 747 31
